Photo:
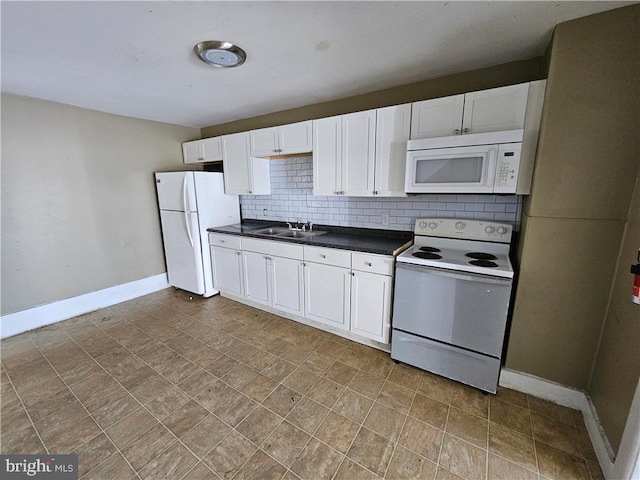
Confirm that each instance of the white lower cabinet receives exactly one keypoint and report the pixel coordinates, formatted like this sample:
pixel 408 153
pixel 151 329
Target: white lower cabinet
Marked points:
pixel 327 291
pixel 273 274
pixel 287 281
pixel 274 281
pixel 256 277
pixel 350 291
pixel 226 265
pixel 371 305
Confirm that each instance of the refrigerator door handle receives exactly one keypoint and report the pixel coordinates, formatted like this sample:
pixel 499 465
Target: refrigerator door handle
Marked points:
pixel 184 194
pixel 186 224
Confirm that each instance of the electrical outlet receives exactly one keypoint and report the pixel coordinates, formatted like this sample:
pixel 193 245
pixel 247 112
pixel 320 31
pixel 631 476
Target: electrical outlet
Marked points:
pixel 264 212
pixel 385 220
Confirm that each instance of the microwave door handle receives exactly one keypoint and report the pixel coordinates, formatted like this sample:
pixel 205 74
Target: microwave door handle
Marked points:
pixel 493 164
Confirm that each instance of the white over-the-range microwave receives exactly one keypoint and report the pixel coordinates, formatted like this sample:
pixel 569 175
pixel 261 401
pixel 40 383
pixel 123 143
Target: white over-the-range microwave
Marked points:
pixel 493 162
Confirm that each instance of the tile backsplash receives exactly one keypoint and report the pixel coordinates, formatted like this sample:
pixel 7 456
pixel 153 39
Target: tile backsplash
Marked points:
pixel 292 199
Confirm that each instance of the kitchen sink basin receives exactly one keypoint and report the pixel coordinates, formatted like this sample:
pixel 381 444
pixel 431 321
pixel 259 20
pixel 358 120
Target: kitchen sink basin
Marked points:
pixel 286 233
pixel 299 234
pixel 271 231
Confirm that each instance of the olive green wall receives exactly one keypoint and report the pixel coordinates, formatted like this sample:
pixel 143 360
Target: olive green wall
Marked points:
pixel 575 218
pixel 79 206
pixel 491 77
pixel 617 367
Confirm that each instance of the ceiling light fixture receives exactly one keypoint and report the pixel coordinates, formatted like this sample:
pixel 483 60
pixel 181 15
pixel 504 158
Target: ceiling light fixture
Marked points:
pixel 220 54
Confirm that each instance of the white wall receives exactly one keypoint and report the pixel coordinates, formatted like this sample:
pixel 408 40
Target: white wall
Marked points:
pixel 79 211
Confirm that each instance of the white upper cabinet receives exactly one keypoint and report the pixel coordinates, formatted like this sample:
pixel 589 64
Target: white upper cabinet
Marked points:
pixel 264 142
pixel 206 150
pixel 344 154
pixel 475 112
pixel 496 109
pixel 361 154
pixel 327 155
pixel 283 140
pixel 439 117
pixel 358 153
pixel 243 174
pixel 392 132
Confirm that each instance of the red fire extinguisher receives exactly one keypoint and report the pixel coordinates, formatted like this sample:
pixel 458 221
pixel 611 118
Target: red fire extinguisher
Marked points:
pixel 635 269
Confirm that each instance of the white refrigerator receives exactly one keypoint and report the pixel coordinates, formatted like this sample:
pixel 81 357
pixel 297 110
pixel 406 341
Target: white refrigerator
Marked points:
pixel 191 202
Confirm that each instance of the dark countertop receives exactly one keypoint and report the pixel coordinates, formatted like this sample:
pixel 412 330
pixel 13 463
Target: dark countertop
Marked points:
pixel 384 242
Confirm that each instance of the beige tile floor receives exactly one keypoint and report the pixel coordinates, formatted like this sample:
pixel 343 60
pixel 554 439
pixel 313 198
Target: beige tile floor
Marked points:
pixel 166 386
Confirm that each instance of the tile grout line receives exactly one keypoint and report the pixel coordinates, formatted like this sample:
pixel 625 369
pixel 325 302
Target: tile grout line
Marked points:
pixel 140 403
pixel 24 406
pixel 160 420
pixel 395 446
pixel 85 408
pixel 259 347
pixel 220 379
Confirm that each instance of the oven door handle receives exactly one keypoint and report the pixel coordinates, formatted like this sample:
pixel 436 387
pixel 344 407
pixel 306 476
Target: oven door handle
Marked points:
pixel 472 277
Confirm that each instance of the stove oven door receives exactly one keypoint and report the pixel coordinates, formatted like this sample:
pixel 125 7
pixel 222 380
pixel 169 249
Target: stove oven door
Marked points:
pixel 463 309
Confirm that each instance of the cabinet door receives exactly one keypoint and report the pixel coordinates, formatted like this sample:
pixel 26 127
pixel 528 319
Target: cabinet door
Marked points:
pixel 371 305
pixel 295 138
pixel 226 264
pixel 392 132
pixel 327 139
pixel 212 149
pixel 287 282
pixel 237 171
pixel 256 277
pixel 264 142
pixel 192 152
pixel 327 291
pixel 439 117
pixel 495 109
pixel 358 153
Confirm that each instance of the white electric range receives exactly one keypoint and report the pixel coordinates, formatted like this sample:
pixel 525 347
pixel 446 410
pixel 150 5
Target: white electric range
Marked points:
pixel 451 299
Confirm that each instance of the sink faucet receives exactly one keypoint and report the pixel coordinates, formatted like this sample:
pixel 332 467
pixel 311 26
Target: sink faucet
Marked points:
pixel 300 226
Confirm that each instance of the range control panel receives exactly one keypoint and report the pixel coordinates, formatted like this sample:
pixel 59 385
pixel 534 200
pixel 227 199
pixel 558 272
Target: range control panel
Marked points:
pixel 465 229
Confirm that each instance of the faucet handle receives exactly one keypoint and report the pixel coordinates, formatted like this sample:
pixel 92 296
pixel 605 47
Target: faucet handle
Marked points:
pixel 311 226
pixel 289 225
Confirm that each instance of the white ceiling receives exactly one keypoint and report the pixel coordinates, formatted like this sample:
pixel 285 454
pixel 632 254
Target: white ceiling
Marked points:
pixel 136 59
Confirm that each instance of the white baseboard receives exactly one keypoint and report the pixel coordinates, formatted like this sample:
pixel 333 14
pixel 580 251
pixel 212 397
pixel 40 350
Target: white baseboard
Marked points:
pixel 541 388
pixel 612 467
pixel 25 320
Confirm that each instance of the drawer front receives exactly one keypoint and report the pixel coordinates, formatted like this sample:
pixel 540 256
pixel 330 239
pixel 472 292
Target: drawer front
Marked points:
pixel 226 241
pixel 465 366
pixel 328 256
pixel 368 262
pixel 273 247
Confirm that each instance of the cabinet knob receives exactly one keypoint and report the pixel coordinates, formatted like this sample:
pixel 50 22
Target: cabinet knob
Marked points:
pixel 238 253
pixel 221 241
pixel 466 130
pixel 456 131
pixel 250 191
pixel 368 264
pixel 200 158
pixel 322 255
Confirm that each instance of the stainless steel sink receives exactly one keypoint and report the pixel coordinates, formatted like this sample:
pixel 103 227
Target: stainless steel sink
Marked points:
pixel 299 234
pixel 286 233
pixel 271 231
